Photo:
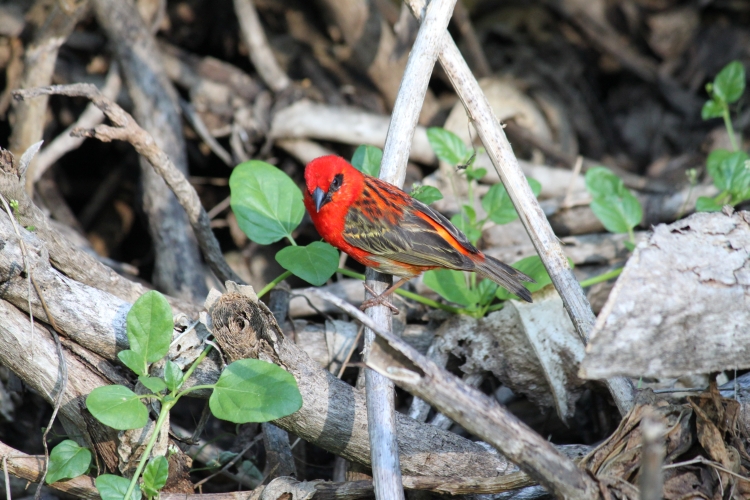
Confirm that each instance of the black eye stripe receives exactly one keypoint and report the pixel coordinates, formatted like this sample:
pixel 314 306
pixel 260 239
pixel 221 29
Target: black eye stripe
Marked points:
pixel 336 183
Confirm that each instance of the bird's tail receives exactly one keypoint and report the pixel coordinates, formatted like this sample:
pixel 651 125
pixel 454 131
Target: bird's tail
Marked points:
pixel 504 275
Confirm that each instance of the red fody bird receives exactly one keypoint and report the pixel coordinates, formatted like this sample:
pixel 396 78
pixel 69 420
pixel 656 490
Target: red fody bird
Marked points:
pixel 381 226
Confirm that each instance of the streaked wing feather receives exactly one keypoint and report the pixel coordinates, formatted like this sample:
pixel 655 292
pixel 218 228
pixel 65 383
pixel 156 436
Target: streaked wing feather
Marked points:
pixel 408 238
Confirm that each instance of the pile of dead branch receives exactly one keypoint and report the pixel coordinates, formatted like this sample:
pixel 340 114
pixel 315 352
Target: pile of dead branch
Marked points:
pixel 145 107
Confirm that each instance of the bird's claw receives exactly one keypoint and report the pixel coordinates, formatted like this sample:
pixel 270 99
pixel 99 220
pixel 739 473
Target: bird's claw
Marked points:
pixel 377 300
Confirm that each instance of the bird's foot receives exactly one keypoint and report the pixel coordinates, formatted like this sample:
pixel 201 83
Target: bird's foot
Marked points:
pixel 377 300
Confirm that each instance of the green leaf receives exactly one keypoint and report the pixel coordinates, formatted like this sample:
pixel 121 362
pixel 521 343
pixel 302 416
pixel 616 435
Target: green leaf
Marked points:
pixel 475 174
pixel 462 222
pixel 629 245
pixel 66 461
pixel 267 203
pixel 118 407
pixel 533 267
pixel 600 181
pixel 150 326
pixel 134 361
pixel 426 194
pixel 154 384
pixel 451 285
pixel 251 390
pixel 155 475
pixel 706 204
pixel 618 214
pixel 485 291
pixel 613 204
pixel 712 109
pixel 172 375
pixel 252 472
pixel 113 487
pixel 367 159
pixel 730 171
pixel 314 263
pixel 498 205
pixel 729 84
pixel 448 146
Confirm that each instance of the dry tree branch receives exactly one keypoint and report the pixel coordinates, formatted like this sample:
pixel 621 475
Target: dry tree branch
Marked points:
pixel 126 129
pixel 91 117
pixel 386 471
pixel 546 243
pixel 260 52
pixel 177 265
pixel 39 65
pixel 473 410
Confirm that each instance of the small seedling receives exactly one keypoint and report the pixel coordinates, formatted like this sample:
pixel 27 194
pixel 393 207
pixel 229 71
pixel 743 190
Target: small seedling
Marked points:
pixel 613 204
pixel 730 170
pixel 248 390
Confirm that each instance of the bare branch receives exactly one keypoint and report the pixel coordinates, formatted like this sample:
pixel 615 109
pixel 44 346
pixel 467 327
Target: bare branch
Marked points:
pixel 126 129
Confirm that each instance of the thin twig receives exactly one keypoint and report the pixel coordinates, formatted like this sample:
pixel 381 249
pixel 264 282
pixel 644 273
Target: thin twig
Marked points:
pixel 705 461
pixel 473 410
pixel 126 129
pixel 197 122
pixel 230 463
pixel 351 352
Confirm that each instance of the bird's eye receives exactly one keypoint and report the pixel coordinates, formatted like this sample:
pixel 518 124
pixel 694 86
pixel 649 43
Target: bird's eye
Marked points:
pixel 336 182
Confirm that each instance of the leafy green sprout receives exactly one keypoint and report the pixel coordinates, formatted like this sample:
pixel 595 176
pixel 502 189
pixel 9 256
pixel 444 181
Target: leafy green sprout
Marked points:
pixel 730 170
pixel 248 390
pixel 613 204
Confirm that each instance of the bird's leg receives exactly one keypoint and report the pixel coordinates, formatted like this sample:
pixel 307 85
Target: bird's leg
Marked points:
pixel 380 299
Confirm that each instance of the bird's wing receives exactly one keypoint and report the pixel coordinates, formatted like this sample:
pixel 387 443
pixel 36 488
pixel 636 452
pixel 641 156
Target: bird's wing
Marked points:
pixel 390 224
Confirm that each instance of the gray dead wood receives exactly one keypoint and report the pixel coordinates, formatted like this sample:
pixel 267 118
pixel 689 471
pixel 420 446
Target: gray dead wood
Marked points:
pixel 374 48
pixel 534 220
pixel 260 51
pixel 33 357
pixel 178 269
pixel 681 304
pixel 346 124
pixel 39 66
pixel 379 390
pixel 90 118
pixel 474 411
pixel 126 129
pixel 652 457
pixel 64 254
pixel 333 415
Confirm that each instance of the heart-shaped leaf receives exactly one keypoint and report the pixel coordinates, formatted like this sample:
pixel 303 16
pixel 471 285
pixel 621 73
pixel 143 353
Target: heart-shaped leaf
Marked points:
pixel 426 194
pixel 267 203
pixel 113 487
pixel 251 390
pixel 367 159
pixel 118 407
pixel 66 461
pixel 314 263
pixel 451 285
pixel 729 84
pixel 150 326
pixel 448 146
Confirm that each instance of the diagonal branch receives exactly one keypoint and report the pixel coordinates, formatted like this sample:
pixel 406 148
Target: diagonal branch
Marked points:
pixel 537 226
pixel 126 129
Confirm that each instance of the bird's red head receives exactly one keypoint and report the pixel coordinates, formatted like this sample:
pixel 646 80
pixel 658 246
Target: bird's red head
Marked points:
pixel 331 180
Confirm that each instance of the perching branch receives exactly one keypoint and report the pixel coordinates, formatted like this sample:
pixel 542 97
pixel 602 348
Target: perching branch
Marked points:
pixel 381 410
pixel 126 129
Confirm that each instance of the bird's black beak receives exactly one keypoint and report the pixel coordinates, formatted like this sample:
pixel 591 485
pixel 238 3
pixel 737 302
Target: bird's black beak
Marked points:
pixel 318 197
